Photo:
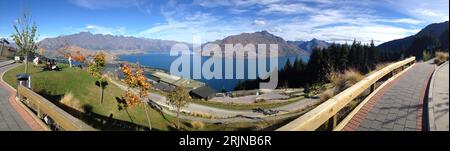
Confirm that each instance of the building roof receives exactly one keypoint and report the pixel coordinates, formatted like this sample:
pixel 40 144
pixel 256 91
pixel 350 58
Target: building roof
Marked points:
pixel 166 77
pixel 177 81
pixel 204 92
pixel 163 87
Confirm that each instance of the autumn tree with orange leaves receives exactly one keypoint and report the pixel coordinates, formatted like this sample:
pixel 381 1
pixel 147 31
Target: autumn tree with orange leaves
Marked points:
pixel 136 80
pixel 95 68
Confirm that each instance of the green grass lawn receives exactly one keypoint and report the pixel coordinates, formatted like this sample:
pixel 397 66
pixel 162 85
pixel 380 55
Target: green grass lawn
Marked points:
pixel 53 85
pixel 249 106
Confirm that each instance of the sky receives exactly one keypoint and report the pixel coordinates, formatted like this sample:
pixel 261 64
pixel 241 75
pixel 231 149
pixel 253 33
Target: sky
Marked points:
pixel 331 20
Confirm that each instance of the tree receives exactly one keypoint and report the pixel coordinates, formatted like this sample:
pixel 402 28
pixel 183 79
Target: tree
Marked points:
pixel 42 51
pixel 144 86
pixel 136 80
pixel 373 55
pixel 95 68
pixel 179 98
pixel 25 37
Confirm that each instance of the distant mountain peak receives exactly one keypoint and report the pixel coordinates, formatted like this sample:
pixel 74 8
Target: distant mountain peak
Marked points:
pixel 263 37
pixel 310 45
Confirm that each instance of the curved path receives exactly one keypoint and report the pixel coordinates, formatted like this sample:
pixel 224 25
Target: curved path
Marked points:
pixel 226 113
pixel 12 116
pixel 438 99
pixel 398 106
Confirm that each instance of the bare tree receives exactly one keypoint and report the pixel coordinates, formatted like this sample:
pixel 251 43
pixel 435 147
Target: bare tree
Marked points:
pixel 25 36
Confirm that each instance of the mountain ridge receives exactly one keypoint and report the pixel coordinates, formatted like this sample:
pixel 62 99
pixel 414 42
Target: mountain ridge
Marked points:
pixel 261 37
pixel 434 30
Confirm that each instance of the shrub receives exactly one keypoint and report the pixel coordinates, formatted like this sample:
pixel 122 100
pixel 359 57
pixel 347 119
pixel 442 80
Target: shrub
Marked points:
pixel 441 57
pixel 70 101
pixel 346 80
pixel 324 96
pixel 426 55
pixel 202 115
pixel 197 125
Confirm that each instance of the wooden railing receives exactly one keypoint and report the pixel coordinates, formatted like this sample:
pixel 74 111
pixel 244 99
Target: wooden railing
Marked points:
pixel 44 107
pixel 327 111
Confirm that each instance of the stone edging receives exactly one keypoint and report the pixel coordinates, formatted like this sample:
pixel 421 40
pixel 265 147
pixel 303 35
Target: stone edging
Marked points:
pixel 431 122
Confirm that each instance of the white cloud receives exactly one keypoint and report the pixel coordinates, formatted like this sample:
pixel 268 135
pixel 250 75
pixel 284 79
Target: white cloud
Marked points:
pixel 144 6
pixel 104 30
pixel 426 11
pixel 259 22
pixel 329 20
pixel 102 4
pixel 295 8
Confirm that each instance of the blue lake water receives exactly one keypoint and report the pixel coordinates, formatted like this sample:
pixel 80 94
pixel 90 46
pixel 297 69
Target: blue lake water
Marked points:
pixel 164 61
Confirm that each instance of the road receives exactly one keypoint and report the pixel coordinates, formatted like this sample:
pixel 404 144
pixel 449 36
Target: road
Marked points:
pixel 225 113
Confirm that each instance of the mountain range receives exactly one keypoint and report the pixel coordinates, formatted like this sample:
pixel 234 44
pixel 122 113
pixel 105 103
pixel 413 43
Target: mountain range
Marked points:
pixel 108 43
pixel 310 45
pixel 435 32
pixel 120 45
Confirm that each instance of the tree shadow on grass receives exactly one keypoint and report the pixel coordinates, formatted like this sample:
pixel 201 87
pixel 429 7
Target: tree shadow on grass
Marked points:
pixel 49 96
pixel 102 122
pixel 93 119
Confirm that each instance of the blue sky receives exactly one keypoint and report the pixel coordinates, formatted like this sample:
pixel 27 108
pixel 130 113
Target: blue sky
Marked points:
pixel 333 21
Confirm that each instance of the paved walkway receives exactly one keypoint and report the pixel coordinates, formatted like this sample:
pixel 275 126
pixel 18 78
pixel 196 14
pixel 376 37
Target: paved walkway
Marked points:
pixel 10 119
pixel 397 106
pixel 438 105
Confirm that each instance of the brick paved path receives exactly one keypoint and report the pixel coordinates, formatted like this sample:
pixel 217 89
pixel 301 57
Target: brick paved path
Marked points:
pixel 10 119
pixel 397 106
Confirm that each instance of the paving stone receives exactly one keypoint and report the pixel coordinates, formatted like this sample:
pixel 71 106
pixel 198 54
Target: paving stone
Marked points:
pixel 410 124
pixel 398 127
pixel 10 120
pixel 397 108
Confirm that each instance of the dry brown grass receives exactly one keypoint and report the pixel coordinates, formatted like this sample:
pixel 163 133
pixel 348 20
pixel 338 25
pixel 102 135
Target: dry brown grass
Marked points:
pixel 202 115
pixel 197 125
pixel 324 96
pixel 341 81
pixel 70 101
pixel 345 80
pixel 441 57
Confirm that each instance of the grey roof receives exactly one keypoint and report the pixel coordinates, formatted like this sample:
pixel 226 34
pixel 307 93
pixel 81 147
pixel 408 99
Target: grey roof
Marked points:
pixel 163 87
pixel 204 92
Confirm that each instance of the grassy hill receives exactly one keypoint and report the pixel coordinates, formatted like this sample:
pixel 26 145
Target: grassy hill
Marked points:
pixel 54 85
pixel 75 91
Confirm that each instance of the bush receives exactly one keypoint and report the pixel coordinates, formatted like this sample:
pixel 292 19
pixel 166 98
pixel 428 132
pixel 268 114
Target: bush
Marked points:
pixel 441 57
pixel 197 125
pixel 426 55
pixel 202 115
pixel 328 94
pixel 345 80
pixel 70 101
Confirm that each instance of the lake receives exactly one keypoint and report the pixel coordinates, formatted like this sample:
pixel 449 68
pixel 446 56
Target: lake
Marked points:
pixel 164 61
